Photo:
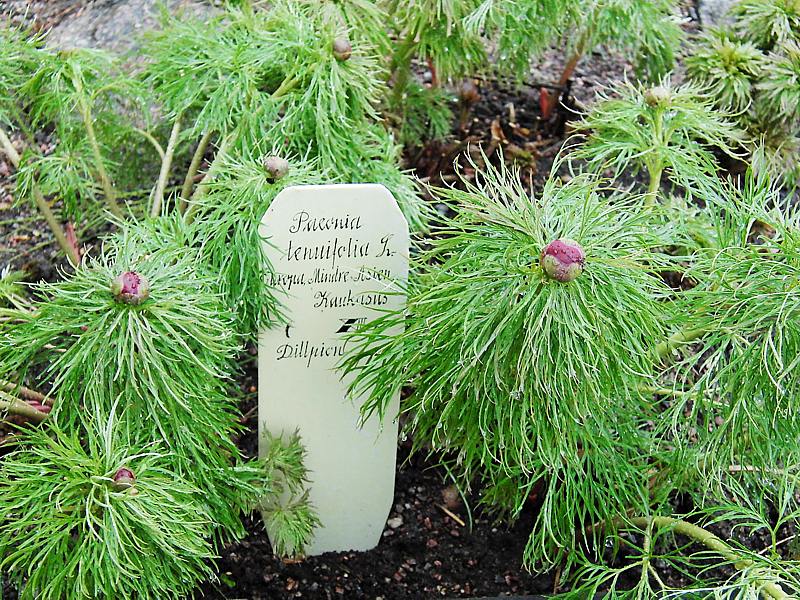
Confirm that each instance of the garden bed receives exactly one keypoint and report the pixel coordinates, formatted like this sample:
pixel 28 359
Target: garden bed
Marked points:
pixel 434 545
pixel 424 552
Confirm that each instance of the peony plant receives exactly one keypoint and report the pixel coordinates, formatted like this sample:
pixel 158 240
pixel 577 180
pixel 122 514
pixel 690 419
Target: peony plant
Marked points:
pixel 137 349
pixel 600 350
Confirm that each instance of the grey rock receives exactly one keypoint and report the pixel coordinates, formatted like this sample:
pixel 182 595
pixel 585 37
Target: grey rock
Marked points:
pixel 714 12
pixel 118 25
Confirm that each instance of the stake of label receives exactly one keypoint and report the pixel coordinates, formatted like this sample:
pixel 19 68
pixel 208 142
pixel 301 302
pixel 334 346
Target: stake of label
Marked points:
pixel 339 252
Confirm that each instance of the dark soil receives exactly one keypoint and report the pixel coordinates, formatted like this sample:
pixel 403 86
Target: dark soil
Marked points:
pixel 423 553
pixel 429 555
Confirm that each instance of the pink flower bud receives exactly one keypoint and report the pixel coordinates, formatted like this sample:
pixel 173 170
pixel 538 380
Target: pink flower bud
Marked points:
pixel 130 288
pixel 562 260
pixel 276 167
pixel 342 49
pixel 124 479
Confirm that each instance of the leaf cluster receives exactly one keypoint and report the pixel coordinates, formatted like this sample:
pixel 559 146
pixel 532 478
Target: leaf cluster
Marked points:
pixel 667 128
pixel 459 39
pixel 647 28
pixel 767 23
pixel 68 531
pixel 91 104
pixel 522 31
pixel 726 67
pixel 713 566
pixel 268 77
pixel 751 68
pixel 12 291
pixel 525 380
pixel 289 518
pixel 144 387
pixel 427 114
pixel 741 407
pixel 229 217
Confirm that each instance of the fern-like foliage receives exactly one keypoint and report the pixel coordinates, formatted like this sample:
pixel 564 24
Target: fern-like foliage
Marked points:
pixel 647 28
pixel 714 566
pixel 743 405
pixel 768 23
pixel 752 70
pixel 523 379
pixel 726 67
pixel 779 90
pixel 12 290
pixel 228 219
pixel 91 105
pixel 436 30
pixel 139 386
pixel 166 362
pixel 775 155
pixel 520 30
pixel 19 51
pixel 288 516
pixel 269 77
pixel 428 114
pixel 208 71
pixel 70 531
pixel 667 128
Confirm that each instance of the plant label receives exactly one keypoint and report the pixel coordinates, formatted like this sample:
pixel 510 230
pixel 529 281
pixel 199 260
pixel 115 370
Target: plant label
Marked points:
pixel 340 257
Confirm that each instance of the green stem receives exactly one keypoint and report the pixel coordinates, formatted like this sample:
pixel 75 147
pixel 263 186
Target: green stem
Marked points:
pixel 88 123
pixel 42 205
pixel 682 337
pixel 197 158
pixel 664 391
pixel 286 86
pixel 401 69
pixel 203 186
pixel 158 196
pixel 769 589
pixel 10 404
pixel 651 199
pixel 648 540
pixel 152 140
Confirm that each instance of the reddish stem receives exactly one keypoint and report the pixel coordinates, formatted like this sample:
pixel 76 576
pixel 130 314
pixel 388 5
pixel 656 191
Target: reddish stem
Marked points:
pixel 72 238
pixel 548 101
pixel 434 73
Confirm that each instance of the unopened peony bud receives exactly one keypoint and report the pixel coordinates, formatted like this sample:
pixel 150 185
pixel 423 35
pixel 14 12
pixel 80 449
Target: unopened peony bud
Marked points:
pixel 130 288
pixel 563 260
pixel 276 167
pixel 657 96
pixel 342 49
pixel 124 479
